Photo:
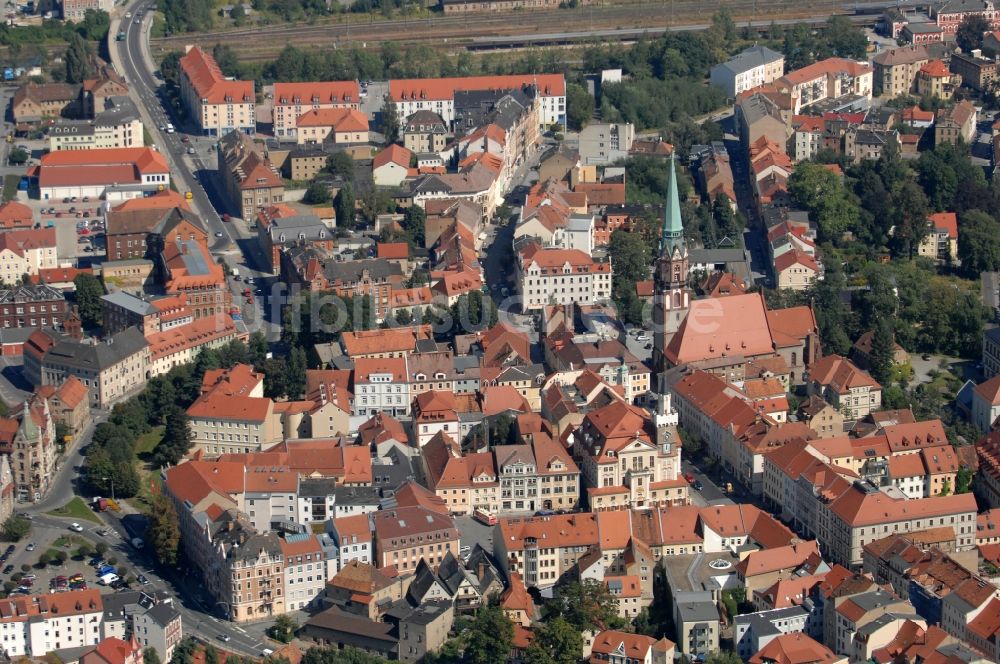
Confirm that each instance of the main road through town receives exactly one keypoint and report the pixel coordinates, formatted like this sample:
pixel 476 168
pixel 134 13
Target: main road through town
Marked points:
pixel 191 158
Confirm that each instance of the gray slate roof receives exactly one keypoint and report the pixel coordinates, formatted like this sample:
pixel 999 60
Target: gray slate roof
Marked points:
pixel 755 56
pixel 98 356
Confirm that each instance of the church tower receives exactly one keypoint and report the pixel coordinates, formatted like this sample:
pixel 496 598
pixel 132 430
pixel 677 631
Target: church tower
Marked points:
pixel 671 296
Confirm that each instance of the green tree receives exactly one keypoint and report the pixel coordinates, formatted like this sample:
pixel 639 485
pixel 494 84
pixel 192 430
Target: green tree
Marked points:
pixel 177 439
pixel 911 208
pixel 163 535
pixel 78 60
pixel 317 193
pixel 88 299
pixel 226 58
pixel 822 193
pixel 579 106
pixel 17 157
pixel 586 605
pixel 963 480
pixel 340 164
pixel 723 657
pixel 211 654
pixel 489 637
pixel 150 656
pixel 295 382
pixel 345 207
pixel 170 68
pixel 979 242
pixel 95 25
pixel 15 528
pixel 415 224
pixel 969 35
pixel 390 121
pixel 283 629
pixel 257 348
pixel 555 642
pixel 630 261
pixel 883 343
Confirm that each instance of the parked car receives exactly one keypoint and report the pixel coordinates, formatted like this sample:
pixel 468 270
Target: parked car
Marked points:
pixel 142 579
pixel 8 569
pixel 30 547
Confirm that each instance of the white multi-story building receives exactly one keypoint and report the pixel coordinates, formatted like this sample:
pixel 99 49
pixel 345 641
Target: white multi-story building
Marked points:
pixel 561 276
pixel 26 252
pixel 380 385
pixel 117 126
pixel 218 104
pixel 40 624
pixel 352 535
pixel 305 570
pixel 754 66
pixel 438 94
pixel 232 414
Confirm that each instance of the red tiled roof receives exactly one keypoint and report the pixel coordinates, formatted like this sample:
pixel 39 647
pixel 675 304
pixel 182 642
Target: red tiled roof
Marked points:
pixel 325 92
pixel 340 119
pixel 209 82
pixel 395 153
pixel 947 221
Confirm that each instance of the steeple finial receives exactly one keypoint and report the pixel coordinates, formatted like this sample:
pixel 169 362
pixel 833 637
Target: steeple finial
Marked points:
pixel 673 227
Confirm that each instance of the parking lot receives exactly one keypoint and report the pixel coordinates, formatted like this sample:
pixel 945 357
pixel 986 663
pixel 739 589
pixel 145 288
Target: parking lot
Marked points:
pixel 79 225
pixel 58 559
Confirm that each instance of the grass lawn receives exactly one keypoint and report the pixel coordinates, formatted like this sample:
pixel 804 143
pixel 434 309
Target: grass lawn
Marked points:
pixel 10 183
pixel 76 509
pixel 147 442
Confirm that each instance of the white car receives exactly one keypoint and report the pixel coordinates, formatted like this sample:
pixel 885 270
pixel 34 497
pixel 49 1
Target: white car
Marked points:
pixel 75 527
pixel 642 337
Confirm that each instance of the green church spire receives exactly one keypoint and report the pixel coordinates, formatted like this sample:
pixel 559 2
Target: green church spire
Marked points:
pixel 673 227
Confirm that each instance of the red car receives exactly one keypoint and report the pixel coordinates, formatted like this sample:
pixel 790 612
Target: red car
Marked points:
pixel 84 231
pixel 689 477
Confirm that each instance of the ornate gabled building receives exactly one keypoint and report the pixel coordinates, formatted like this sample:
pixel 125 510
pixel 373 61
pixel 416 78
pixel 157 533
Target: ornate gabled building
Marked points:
pixel 33 461
pixel 671 296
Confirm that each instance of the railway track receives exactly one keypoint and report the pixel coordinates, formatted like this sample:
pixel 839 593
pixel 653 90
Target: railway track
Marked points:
pixel 460 31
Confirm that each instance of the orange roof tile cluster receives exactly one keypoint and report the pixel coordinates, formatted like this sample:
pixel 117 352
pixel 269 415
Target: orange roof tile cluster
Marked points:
pixel 840 374
pixel 421 296
pixel 208 81
pixel 395 154
pixel 434 89
pixel 712 396
pixel 317 92
pixel 168 199
pixel 946 221
pixel 795 258
pixel 721 327
pixel 365 368
pixel 14 214
pixel 557 259
pixel 935 69
pixel 794 648
pixel 190 336
pixel 602 193
pixel 626 644
pixel 226 395
pixel 768 561
pixel 22 241
pixel 59 275
pixel 823 68
pixel 329 385
pixel 857 507
pixel 392 340
pixel 338 119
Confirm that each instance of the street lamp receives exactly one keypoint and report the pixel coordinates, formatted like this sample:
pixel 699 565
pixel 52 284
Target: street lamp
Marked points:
pixel 112 486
